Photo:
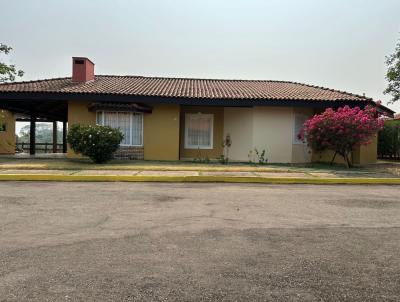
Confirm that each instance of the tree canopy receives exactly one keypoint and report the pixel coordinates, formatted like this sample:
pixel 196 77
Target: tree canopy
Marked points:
pixel 8 72
pixel 393 74
pixel 341 130
pixel 44 133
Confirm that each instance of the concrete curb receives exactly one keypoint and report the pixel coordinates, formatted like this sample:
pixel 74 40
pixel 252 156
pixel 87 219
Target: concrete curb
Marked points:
pixel 205 179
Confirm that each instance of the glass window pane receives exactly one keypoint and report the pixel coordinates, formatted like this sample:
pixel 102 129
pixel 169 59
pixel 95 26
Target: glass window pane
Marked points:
pixel 137 129
pixel 111 119
pixel 130 124
pixel 99 118
pixel 199 130
pixel 124 124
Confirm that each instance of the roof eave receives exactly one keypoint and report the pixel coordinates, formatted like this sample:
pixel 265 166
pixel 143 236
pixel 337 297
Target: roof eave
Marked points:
pixel 57 96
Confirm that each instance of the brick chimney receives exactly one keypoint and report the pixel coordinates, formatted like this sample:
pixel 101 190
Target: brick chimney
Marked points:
pixel 82 70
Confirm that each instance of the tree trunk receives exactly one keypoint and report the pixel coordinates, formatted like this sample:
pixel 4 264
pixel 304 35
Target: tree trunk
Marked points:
pixel 351 160
pixel 348 162
pixel 333 159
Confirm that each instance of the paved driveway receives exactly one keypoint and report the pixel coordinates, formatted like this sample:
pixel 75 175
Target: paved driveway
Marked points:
pixel 198 242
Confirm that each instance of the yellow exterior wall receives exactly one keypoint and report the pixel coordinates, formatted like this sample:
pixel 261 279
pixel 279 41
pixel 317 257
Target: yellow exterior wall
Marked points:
pixel 326 157
pixel 7 138
pixel 238 123
pixel 78 113
pixel 362 155
pixel 218 138
pixel 269 128
pixel 161 133
pixel 368 154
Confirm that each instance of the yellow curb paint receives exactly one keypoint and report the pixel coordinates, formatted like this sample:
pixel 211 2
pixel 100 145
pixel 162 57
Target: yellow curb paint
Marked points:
pixel 222 179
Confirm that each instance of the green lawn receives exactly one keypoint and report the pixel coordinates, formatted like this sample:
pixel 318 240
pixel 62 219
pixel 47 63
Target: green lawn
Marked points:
pixel 84 164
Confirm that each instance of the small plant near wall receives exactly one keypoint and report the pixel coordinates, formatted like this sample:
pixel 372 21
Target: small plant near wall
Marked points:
pixel 222 159
pixel 200 159
pixel 262 160
pixel 257 157
pixel 96 142
pixel 226 144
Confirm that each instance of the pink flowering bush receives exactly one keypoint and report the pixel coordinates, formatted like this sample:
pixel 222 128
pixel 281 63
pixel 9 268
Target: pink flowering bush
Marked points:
pixel 341 130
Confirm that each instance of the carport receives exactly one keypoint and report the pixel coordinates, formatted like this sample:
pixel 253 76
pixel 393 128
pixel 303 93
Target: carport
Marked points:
pixel 38 110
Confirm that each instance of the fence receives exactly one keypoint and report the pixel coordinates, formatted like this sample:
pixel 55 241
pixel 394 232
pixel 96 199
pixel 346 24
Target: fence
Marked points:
pixel 39 147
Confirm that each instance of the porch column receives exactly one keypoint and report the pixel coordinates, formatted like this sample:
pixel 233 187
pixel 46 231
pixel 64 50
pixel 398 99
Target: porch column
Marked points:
pixel 54 136
pixel 64 137
pixel 32 135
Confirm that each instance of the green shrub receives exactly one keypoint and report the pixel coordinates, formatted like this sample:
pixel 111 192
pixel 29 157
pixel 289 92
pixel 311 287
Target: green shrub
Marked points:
pixel 389 140
pixel 97 142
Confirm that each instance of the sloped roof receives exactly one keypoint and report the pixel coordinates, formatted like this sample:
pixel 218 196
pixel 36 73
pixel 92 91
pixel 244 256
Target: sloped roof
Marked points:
pixel 185 88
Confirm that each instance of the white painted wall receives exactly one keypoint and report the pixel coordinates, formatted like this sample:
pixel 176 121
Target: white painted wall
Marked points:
pixel 301 153
pixel 238 123
pixel 269 128
pixel 273 131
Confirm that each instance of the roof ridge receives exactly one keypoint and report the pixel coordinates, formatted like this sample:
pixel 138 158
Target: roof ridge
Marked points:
pixel 243 80
pixel 188 78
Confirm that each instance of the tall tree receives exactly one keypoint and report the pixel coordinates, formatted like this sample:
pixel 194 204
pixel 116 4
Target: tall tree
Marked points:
pixel 8 72
pixel 393 74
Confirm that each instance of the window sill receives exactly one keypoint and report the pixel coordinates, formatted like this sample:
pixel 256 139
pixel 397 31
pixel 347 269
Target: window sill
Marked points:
pixel 198 148
pixel 136 146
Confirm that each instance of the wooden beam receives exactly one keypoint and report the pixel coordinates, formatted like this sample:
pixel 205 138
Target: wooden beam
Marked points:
pixel 64 137
pixel 25 109
pixel 32 134
pixel 54 136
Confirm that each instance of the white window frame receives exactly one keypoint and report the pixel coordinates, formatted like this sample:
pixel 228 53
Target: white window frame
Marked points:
pixel 296 141
pixel 130 123
pixel 187 118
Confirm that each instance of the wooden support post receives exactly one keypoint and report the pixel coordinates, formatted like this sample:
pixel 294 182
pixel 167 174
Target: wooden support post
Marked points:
pixel 32 135
pixel 64 137
pixel 55 137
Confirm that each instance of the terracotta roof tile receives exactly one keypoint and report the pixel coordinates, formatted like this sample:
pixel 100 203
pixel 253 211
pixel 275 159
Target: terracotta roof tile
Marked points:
pixel 185 88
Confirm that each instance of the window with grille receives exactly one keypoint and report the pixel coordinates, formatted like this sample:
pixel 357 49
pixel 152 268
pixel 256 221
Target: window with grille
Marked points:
pixel 130 124
pixel 199 131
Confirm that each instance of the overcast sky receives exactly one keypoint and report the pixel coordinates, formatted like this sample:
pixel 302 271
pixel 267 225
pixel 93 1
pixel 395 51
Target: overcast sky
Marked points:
pixel 339 44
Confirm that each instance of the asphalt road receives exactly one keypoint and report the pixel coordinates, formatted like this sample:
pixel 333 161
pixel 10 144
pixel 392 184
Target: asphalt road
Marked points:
pixel 198 242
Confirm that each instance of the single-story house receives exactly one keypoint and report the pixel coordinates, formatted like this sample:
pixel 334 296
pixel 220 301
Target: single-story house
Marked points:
pixel 179 118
